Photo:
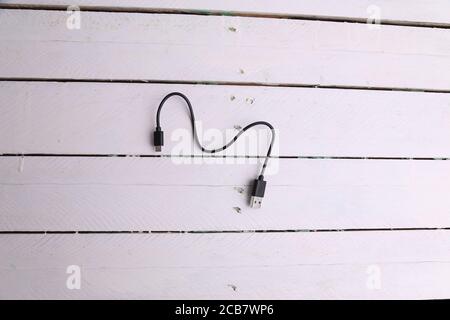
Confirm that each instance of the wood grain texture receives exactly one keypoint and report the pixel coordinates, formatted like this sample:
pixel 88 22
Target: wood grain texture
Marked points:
pixel 54 193
pixel 420 11
pixel 101 118
pixel 228 266
pixel 226 49
pixel 197 236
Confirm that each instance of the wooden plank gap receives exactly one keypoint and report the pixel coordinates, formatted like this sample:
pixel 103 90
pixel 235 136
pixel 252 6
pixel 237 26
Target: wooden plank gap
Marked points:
pixel 305 17
pixel 224 83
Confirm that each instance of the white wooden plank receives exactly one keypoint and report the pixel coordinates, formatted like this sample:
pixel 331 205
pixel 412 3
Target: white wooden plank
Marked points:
pixel 155 194
pixel 437 11
pixel 230 49
pixel 101 118
pixel 338 265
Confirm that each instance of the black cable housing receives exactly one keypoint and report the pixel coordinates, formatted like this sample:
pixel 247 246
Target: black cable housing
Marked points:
pixel 195 135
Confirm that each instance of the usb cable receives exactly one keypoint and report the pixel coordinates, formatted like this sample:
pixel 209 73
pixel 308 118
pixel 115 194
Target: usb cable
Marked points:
pixel 259 185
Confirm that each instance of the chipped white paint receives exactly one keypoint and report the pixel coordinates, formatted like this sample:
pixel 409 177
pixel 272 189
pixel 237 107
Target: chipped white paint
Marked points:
pixel 137 46
pixel 417 11
pixel 414 265
pixel 154 194
pixel 102 118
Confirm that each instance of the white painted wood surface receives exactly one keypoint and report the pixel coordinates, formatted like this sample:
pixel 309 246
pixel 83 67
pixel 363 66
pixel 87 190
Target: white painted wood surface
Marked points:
pixel 419 11
pixel 238 57
pixel 100 118
pixel 226 49
pixel 92 194
pixel 209 266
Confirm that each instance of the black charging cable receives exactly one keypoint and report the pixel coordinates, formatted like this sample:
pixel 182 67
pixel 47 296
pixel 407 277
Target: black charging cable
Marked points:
pixel 259 185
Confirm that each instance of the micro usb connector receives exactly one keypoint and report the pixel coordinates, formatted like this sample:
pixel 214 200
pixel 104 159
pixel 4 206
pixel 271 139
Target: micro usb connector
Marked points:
pixel 158 139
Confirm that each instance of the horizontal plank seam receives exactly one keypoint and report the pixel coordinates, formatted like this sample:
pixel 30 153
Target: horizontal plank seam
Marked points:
pixel 230 231
pixel 232 13
pixel 78 155
pixel 224 83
